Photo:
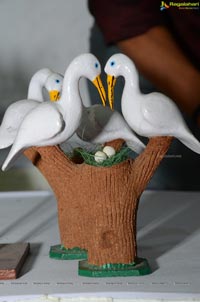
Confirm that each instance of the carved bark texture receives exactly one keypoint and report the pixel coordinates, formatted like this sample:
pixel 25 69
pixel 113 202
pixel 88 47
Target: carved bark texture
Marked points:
pixel 97 206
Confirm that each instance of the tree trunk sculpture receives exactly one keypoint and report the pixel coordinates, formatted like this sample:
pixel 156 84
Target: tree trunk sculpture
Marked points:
pixel 97 206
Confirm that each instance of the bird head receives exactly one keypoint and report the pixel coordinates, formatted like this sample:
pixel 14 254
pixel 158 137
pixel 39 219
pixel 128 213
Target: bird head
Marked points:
pixel 53 85
pixel 87 65
pixel 117 65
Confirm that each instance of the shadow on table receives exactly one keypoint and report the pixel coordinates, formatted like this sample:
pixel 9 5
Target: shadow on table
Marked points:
pixel 29 263
pixel 165 221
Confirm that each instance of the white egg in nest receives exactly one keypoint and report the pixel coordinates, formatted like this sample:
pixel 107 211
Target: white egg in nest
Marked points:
pixel 110 151
pixel 100 156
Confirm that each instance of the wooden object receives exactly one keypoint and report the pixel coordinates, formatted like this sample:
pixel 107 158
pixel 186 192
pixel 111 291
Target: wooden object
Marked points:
pixel 97 206
pixel 12 257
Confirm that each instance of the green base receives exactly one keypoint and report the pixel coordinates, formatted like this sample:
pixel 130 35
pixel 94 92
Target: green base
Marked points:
pixel 61 253
pixel 138 268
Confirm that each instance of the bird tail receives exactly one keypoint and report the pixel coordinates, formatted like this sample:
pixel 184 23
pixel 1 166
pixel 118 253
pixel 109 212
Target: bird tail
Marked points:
pixel 6 139
pixel 136 145
pixel 191 142
pixel 11 158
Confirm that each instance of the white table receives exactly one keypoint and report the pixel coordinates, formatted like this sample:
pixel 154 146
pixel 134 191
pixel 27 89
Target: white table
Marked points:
pixel 168 236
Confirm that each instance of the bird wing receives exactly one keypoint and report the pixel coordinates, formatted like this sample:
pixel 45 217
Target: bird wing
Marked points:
pixel 159 111
pixel 101 124
pixel 40 125
pixel 105 119
pixel 37 129
pixel 12 119
pixel 97 121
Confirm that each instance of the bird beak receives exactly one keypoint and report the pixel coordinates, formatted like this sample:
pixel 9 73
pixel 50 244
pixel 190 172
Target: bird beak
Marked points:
pixel 98 84
pixel 54 95
pixel 111 81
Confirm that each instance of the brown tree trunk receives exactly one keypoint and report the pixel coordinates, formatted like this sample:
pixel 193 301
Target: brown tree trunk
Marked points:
pixel 97 206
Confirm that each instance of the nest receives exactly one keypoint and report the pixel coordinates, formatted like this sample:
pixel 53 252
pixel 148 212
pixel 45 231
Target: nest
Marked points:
pixel 88 157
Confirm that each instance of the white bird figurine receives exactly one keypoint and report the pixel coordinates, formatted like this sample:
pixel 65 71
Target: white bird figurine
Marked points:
pixel 100 125
pixel 151 114
pixel 53 123
pixel 16 112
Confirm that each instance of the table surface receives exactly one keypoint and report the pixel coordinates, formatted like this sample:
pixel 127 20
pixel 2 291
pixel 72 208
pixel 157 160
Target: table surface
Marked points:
pixel 168 236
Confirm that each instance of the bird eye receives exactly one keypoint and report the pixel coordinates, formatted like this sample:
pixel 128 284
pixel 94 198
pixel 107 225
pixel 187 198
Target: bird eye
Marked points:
pixel 96 65
pixel 112 63
pixel 57 81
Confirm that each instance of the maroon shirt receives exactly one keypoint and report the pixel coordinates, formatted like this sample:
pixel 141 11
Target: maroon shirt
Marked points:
pixel 123 19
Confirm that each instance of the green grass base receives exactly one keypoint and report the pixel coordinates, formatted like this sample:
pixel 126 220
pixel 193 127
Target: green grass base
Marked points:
pixel 138 268
pixel 61 253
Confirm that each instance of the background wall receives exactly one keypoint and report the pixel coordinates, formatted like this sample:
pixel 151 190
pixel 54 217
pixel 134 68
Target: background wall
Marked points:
pixel 36 34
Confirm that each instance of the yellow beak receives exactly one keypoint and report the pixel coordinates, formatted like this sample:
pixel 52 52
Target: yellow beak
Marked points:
pixel 54 95
pixel 98 84
pixel 111 81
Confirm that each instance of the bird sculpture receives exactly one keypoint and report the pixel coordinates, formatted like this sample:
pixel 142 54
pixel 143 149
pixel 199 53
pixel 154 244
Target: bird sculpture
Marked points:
pixel 16 112
pixel 148 115
pixel 51 123
pixel 101 124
